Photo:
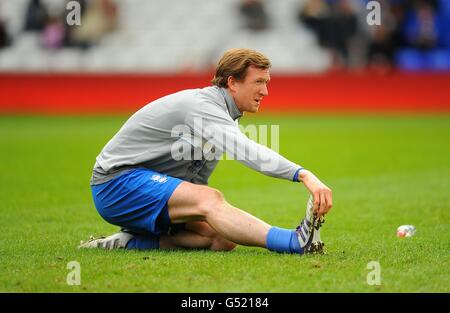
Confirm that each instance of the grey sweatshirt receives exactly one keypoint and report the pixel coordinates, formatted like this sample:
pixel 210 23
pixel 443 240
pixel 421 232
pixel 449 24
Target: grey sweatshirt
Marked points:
pixel 184 135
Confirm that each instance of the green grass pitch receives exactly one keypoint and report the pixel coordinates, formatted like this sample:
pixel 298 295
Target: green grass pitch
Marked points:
pixel 384 172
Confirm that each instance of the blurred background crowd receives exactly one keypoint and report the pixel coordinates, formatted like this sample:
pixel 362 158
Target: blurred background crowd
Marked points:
pixel 174 36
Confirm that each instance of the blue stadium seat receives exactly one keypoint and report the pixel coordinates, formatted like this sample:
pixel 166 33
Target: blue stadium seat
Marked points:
pixel 410 60
pixel 438 60
pixel 444 6
pixel 444 12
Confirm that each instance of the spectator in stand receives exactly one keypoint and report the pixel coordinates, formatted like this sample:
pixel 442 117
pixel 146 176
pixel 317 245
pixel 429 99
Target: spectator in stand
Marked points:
pixel 254 14
pixel 99 18
pixel 70 29
pixel 335 23
pixel 36 16
pixel 384 39
pixel 315 14
pixel 53 34
pixel 4 38
pixel 424 28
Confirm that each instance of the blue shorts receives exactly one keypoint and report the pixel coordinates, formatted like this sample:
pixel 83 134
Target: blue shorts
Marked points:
pixel 136 200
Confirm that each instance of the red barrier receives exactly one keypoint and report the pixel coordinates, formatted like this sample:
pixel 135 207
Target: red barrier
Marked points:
pixel 117 93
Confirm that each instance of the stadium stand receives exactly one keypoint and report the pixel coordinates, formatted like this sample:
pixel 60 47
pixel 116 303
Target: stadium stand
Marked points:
pixel 156 47
pixel 171 36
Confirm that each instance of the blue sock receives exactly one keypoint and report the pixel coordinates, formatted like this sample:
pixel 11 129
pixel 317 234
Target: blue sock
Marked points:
pixel 283 240
pixel 141 242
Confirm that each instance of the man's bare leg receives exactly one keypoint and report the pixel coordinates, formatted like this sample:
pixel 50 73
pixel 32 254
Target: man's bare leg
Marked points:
pixel 191 202
pixel 198 235
pixel 214 224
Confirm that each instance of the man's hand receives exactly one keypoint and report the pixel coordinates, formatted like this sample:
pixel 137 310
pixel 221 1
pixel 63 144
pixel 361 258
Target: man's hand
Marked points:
pixel 323 199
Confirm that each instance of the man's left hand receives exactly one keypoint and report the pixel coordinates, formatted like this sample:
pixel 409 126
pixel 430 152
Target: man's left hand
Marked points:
pixel 323 199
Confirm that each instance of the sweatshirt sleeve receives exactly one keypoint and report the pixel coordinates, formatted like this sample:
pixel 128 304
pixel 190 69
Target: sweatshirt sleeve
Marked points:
pixel 213 125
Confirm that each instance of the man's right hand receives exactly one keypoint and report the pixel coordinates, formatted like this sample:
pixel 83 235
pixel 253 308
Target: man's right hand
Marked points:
pixel 323 199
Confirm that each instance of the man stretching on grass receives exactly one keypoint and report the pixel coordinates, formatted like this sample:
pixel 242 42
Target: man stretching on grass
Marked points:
pixel 151 178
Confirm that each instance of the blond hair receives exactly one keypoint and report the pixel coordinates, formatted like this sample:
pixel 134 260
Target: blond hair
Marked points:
pixel 235 62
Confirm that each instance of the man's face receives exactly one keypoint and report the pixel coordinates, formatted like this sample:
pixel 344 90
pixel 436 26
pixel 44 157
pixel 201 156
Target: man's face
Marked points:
pixel 247 94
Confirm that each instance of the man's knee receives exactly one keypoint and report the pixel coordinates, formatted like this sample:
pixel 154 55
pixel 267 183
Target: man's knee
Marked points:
pixel 210 202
